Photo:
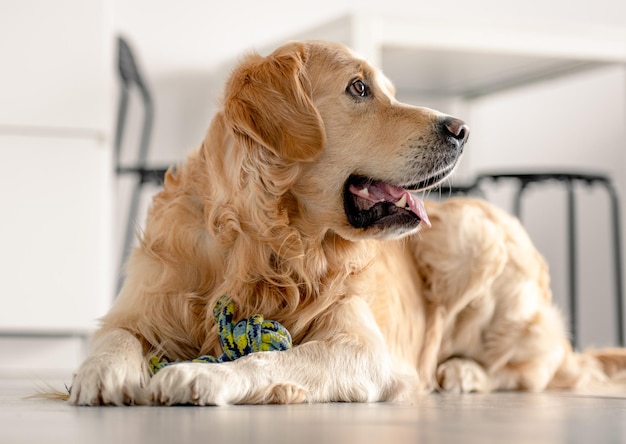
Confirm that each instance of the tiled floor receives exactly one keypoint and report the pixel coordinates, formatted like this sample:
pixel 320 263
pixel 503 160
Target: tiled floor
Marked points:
pixel 496 418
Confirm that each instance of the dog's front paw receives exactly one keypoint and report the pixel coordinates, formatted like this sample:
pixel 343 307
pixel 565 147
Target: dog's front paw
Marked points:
pixel 109 379
pixel 199 384
pixel 462 376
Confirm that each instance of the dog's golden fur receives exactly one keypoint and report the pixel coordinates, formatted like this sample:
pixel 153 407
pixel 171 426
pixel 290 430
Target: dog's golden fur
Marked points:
pixel 376 312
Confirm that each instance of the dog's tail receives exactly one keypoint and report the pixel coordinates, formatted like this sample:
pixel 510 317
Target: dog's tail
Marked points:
pixel 593 370
pixel 613 362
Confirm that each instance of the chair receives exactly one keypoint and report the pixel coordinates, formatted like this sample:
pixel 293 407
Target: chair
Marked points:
pixel 130 78
pixel 570 179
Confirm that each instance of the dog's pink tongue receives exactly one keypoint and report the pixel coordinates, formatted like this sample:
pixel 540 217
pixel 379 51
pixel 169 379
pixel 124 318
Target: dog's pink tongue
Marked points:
pixel 414 203
pixel 384 192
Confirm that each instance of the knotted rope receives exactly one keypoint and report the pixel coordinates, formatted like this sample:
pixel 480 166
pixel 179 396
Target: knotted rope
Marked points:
pixel 251 335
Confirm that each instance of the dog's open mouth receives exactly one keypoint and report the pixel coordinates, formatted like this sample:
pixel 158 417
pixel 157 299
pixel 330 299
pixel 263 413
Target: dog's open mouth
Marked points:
pixel 370 202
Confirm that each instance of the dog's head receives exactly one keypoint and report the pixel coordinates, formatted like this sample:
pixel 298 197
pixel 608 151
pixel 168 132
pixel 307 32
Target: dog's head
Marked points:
pixel 359 154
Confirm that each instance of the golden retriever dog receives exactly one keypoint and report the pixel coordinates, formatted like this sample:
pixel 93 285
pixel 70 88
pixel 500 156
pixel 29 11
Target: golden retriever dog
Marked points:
pixel 301 205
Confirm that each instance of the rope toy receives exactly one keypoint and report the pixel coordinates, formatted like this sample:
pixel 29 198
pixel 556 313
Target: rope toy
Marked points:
pixel 247 336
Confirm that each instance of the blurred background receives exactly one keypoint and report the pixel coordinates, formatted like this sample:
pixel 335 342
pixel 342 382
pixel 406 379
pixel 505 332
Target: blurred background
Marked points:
pixel 541 84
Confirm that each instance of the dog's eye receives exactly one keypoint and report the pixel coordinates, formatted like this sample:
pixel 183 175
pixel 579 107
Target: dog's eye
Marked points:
pixel 358 89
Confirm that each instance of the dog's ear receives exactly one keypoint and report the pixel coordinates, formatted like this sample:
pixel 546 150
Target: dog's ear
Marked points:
pixel 269 100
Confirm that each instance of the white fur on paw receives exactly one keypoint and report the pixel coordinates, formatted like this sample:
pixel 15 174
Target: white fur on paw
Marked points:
pixel 109 379
pixel 462 376
pixel 199 384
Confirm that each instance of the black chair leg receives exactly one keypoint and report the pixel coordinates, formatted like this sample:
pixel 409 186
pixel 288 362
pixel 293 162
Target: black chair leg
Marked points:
pixel 572 251
pixel 617 260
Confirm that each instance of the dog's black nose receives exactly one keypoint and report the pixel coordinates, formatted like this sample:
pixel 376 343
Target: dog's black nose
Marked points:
pixel 456 129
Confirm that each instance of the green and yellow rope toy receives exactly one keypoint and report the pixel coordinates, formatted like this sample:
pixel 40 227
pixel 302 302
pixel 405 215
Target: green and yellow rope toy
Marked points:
pixel 247 336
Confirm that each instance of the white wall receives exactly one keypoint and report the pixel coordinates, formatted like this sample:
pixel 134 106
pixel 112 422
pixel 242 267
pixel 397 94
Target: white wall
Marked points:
pixel 57 180
pixel 186 48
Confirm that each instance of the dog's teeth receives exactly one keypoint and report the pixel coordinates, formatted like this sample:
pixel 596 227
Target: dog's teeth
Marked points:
pixel 364 192
pixel 402 202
